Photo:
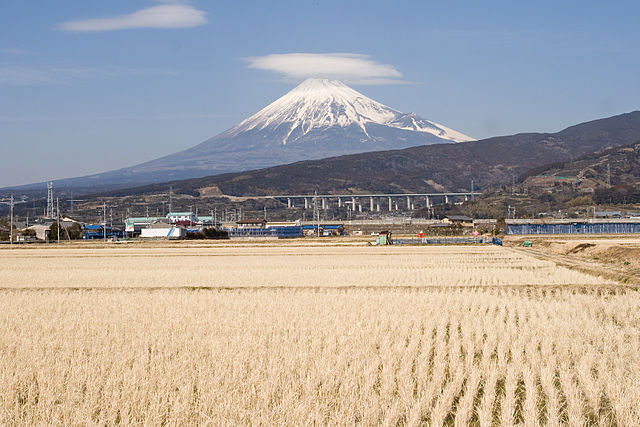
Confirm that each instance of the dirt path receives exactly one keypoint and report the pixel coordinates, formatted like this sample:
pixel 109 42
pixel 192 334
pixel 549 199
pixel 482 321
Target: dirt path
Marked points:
pixel 616 259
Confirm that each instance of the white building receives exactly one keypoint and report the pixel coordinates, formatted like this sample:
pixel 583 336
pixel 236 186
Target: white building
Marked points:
pixel 182 217
pixel 166 232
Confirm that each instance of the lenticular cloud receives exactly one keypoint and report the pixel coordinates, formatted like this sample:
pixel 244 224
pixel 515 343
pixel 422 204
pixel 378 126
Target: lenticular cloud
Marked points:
pixel 349 67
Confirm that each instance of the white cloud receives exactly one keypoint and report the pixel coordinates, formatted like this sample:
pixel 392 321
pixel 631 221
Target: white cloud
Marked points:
pixel 350 67
pixel 163 16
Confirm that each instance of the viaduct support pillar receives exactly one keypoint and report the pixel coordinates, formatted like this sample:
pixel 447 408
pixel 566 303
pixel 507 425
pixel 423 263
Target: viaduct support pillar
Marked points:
pixel 390 206
pixel 408 203
pixel 324 203
pixel 306 203
pixel 289 202
pixel 371 204
pixel 446 199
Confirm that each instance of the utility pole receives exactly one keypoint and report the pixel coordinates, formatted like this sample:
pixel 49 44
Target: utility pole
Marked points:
pixel 316 213
pixel 609 175
pixel 471 188
pixel 11 223
pixel 513 185
pixel 104 220
pixel 58 217
pixel 265 212
pixel 170 198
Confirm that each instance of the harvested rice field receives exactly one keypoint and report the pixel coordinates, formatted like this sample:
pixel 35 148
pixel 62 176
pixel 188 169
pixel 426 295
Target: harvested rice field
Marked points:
pixel 285 335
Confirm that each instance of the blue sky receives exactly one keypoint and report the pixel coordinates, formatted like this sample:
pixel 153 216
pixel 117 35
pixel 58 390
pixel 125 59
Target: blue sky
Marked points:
pixel 92 86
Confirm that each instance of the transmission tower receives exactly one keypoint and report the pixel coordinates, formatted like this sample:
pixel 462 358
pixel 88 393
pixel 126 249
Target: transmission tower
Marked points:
pixel 51 210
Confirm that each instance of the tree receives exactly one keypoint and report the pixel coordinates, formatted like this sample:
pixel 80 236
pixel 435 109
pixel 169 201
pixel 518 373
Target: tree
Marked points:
pixel 75 231
pixel 53 232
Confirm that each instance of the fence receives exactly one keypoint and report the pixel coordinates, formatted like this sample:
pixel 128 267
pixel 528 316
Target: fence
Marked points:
pixel 574 228
pixel 277 232
pixel 449 241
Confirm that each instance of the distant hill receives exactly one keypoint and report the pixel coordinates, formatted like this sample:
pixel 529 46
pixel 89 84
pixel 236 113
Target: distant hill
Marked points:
pixel 608 175
pixel 441 167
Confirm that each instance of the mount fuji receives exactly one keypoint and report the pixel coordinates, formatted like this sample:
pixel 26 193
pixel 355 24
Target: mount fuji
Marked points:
pixel 319 118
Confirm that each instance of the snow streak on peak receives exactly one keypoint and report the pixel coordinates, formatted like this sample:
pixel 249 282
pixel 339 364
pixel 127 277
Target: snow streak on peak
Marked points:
pixel 321 103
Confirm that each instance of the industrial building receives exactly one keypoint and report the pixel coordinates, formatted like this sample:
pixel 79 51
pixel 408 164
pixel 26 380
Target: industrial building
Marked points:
pixel 575 227
pixel 259 228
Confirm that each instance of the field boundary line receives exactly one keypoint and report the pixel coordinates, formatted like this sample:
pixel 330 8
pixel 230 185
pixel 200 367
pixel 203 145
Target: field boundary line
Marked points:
pixel 608 288
pixel 599 270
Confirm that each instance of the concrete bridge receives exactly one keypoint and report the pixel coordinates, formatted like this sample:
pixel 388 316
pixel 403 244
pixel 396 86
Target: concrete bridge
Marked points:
pixel 374 202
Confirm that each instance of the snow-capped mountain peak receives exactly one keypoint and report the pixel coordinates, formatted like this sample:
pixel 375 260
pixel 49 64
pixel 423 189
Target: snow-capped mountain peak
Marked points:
pixel 322 104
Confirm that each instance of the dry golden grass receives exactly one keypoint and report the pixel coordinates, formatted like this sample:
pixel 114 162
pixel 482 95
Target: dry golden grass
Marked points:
pixel 306 352
pixel 281 266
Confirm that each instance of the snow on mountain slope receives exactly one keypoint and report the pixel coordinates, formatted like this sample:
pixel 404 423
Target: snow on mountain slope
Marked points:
pixel 322 103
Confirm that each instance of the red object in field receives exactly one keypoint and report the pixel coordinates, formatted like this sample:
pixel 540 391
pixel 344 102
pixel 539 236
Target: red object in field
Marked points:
pixel 421 235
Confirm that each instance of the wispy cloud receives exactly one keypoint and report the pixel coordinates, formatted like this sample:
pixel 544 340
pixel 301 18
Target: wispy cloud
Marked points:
pixel 12 51
pixel 350 67
pixel 163 16
pixel 30 76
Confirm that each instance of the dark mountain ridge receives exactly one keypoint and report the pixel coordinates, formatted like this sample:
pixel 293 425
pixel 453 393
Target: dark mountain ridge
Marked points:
pixel 429 168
